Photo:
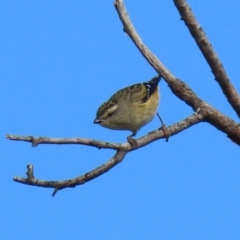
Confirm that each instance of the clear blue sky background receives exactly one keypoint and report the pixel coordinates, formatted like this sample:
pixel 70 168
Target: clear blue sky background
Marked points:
pixel 59 60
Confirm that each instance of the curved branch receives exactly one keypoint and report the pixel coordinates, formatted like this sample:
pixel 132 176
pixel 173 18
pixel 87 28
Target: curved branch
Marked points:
pixel 59 185
pixel 210 55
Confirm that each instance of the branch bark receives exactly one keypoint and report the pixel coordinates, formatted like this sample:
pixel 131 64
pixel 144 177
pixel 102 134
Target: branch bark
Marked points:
pixel 122 150
pixel 209 54
pixel 141 142
pixel 59 185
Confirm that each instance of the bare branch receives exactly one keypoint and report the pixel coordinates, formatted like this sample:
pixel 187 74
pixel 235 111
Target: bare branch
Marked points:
pixel 118 157
pixel 180 89
pixel 147 54
pixel 83 141
pixel 143 141
pixel 208 52
pixel 59 185
pixel 221 122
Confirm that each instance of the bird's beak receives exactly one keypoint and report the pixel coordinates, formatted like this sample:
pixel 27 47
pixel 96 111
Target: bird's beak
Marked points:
pixel 97 120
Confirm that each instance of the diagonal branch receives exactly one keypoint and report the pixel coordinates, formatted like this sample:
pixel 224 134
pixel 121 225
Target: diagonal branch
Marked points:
pixel 147 54
pixel 189 96
pixel 210 55
pixel 59 185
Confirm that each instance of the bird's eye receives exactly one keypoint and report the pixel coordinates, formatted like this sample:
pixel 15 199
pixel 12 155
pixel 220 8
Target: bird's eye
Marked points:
pixel 110 114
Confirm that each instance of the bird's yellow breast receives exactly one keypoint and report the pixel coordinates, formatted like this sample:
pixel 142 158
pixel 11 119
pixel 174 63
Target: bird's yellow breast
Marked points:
pixel 143 113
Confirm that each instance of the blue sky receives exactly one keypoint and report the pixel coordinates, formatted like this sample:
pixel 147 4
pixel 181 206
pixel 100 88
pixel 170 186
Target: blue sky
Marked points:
pixel 59 60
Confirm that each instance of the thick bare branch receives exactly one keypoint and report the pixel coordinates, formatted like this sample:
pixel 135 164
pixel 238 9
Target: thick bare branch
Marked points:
pixel 59 185
pixel 221 122
pixel 209 54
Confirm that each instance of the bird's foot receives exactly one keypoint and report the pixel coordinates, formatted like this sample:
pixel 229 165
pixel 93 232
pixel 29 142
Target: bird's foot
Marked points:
pixel 163 128
pixel 165 131
pixel 132 141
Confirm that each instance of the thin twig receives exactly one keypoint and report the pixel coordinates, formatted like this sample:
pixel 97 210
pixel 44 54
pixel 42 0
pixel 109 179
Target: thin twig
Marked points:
pixel 83 141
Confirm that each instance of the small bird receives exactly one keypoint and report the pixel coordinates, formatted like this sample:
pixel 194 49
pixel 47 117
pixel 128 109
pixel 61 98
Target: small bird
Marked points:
pixel 130 108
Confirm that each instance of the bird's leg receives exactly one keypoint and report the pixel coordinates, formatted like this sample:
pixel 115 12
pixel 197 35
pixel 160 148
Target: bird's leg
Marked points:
pixel 163 128
pixel 131 140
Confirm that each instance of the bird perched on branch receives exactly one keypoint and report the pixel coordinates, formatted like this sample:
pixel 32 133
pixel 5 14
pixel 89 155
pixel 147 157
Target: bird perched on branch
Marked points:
pixel 130 108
